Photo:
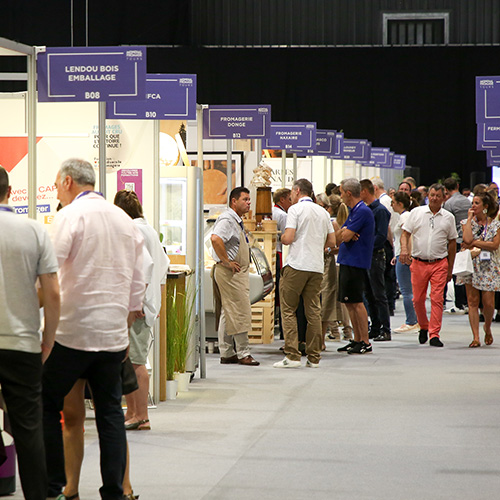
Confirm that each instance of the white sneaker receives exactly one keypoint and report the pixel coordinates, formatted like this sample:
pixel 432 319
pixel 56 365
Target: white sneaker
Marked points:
pixel 455 310
pixel 407 328
pixel 309 364
pixel 287 363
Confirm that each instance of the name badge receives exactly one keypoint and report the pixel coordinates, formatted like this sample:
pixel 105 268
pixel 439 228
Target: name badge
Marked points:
pixel 484 255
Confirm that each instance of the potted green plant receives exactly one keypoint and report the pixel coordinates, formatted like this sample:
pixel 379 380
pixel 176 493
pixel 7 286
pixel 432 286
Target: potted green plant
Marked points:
pixel 171 350
pixel 183 304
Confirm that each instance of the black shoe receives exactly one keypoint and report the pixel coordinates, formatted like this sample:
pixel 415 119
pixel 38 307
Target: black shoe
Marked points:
pixel 302 348
pixel 391 312
pixel 348 346
pixel 435 342
pixel 423 336
pixel 383 337
pixel 497 317
pixel 360 348
pixel 481 318
pixel 372 334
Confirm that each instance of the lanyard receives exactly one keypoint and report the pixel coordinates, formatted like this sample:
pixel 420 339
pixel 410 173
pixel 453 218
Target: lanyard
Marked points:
pixel 84 193
pixel 305 198
pixel 7 209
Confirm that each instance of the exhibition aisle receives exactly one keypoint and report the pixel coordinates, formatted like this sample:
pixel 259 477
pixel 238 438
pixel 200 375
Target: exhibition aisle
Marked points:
pixel 406 422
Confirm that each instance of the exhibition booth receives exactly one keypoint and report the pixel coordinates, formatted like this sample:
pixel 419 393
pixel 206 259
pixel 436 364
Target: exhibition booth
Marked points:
pixel 155 139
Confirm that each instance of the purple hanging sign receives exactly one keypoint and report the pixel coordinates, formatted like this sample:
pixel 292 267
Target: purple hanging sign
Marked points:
pixel 356 149
pixel 488 136
pixel 91 74
pixel 487 99
pixel 399 162
pixel 493 157
pixel 288 135
pixel 168 97
pixel 380 157
pixel 236 122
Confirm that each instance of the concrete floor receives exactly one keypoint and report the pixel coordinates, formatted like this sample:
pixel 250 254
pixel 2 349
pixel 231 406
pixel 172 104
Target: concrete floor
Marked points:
pixel 406 422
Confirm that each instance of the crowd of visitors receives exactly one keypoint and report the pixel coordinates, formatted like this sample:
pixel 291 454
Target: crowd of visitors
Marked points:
pixel 98 276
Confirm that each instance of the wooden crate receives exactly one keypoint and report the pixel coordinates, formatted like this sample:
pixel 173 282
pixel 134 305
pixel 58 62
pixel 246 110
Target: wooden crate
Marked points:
pixel 263 311
pixel 262 325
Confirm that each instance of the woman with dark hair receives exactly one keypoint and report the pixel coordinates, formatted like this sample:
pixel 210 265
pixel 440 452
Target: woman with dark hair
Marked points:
pixel 136 417
pixel 482 236
pixel 401 204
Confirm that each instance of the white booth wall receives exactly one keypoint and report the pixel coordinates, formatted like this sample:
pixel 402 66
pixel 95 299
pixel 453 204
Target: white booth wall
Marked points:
pixel 69 130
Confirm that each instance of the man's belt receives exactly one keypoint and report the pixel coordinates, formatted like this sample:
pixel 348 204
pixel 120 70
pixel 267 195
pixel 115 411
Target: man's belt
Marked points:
pixel 429 261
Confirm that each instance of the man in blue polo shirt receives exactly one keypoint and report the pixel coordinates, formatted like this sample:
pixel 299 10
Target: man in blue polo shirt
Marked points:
pixel 356 238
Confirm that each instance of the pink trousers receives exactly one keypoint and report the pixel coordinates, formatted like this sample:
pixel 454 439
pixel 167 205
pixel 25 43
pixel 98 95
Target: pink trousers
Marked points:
pixel 423 273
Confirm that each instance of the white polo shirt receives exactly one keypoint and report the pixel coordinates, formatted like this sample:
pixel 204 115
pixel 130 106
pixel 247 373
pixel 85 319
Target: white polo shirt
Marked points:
pixel 312 225
pixel 431 232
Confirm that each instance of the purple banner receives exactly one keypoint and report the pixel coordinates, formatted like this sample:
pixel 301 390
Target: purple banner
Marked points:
pixel 488 136
pixel 168 97
pixel 325 142
pixel 288 135
pixel 131 180
pixel 487 99
pixel 91 74
pixel 236 122
pixel 356 149
pixel 399 162
pixel 380 157
pixel 493 157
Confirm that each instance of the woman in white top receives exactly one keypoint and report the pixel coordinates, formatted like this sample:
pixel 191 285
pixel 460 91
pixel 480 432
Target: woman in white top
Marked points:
pixel 401 204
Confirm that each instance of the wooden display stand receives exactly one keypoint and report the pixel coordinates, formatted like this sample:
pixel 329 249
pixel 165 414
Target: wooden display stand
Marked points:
pixel 263 311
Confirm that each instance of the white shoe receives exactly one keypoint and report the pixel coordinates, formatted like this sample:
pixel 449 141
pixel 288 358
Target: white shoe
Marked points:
pixel 407 328
pixel 287 363
pixel 309 364
pixel 455 310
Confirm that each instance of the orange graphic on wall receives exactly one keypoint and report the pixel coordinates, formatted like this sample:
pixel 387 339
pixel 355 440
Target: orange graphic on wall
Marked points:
pixel 13 150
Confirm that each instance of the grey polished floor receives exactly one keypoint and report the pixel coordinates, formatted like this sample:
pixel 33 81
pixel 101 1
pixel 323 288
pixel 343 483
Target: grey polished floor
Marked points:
pixel 406 422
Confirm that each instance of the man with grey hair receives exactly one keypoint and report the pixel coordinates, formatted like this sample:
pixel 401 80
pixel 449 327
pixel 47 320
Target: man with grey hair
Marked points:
pixel 308 232
pixel 26 254
pixel 430 256
pixel 356 240
pixel 99 250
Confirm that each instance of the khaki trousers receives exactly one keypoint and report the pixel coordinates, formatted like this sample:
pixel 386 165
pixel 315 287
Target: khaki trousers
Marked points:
pixel 293 284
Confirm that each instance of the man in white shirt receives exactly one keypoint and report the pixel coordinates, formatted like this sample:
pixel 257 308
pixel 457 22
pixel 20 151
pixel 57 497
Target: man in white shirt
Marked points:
pixel 282 202
pixel 99 250
pixel 308 232
pixel 26 254
pixel 433 252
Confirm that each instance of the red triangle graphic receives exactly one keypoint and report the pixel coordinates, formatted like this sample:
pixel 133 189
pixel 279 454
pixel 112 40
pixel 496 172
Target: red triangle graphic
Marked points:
pixel 13 150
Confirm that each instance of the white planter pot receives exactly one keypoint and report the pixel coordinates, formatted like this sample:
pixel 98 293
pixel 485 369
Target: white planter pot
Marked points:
pixel 171 390
pixel 183 380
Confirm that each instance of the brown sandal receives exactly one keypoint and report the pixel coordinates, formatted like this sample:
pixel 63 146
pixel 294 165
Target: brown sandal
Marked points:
pixel 488 339
pixel 475 343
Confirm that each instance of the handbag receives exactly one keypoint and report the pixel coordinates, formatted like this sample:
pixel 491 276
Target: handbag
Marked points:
pixel 129 378
pixel 463 264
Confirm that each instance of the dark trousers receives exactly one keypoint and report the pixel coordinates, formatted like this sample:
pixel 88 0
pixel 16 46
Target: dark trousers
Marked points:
pixel 279 257
pixel 390 276
pixel 103 373
pixel 20 378
pixel 376 298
